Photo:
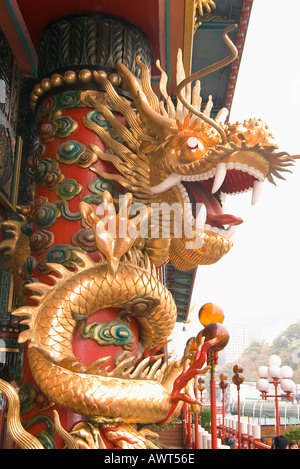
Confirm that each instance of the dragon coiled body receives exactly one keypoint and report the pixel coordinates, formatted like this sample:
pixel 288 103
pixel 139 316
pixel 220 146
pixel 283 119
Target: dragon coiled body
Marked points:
pixel 51 334
pixel 134 401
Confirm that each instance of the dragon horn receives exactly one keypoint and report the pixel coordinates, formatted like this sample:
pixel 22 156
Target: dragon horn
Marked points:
pixel 206 71
pixel 160 126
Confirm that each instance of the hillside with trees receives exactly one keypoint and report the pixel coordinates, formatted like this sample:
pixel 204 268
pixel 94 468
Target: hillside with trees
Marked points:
pixel 286 345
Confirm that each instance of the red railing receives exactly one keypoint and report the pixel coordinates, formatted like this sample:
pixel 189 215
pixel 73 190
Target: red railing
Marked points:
pixel 192 434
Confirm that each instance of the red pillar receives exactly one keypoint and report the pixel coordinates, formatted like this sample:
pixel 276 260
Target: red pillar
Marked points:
pixel 196 417
pixel 239 417
pixel 275 382
pixel 213 359
pixel 65 157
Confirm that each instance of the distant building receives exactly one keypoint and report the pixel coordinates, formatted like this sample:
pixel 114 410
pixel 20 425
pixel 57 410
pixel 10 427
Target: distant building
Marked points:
pixel 238 341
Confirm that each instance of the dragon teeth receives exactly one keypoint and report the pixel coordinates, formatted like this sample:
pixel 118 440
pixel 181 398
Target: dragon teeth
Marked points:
pixel 201 217
pixel 257 190
pixel 200 177
pixel 165 185
pixel 198 223
pixel 226 233
pixel 220 175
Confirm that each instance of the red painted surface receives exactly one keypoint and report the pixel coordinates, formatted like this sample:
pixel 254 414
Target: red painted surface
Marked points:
pixel 89 350
pixel 7 26
pixel 63 229
pixel 143 15
pixel 148 16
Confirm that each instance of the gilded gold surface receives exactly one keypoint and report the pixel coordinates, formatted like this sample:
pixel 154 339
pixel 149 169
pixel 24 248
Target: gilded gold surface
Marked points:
pixel 132 394
pixel 208 4
pixel 154 147
pixel 23 439
pixel 17 250
pixel 136 390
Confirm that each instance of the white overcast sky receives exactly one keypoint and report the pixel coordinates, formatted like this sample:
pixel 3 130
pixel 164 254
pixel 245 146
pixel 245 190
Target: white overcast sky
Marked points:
pixel 258 281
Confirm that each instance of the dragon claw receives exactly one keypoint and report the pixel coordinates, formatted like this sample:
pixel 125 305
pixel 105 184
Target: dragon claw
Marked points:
pixel 188 373
pixel 115 233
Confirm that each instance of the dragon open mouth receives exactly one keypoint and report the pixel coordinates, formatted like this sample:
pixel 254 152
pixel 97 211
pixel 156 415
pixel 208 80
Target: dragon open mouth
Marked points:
pixel 203 194
pixel 209 207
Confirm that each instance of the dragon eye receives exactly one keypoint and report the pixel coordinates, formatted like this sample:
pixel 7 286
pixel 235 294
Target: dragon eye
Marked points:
pixel 191 149
pixel 192 142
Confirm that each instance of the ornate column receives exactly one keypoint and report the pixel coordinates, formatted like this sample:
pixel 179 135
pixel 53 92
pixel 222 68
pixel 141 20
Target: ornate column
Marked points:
pixel 69 51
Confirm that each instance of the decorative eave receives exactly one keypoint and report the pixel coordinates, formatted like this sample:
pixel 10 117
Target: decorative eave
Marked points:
pixel 166 23
pixel 180 284
pixel 18 36
pixel 22 22
pixel 240 42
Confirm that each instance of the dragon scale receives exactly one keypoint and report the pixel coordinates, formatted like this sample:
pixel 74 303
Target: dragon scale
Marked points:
pixel 84 293
pixel 131 401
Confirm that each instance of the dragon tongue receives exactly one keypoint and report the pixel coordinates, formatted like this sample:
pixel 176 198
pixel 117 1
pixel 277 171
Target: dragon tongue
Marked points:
pixel 225 219
pixel 215 213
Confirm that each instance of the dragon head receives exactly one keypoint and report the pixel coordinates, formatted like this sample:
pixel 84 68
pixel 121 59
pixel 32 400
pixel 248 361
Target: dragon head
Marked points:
pixel 181 157
pixel 193 168
pixel 194 160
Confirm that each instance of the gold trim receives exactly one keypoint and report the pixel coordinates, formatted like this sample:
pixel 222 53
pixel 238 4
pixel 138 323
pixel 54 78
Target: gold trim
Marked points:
pixel 189 22
pixel 190 27
pixel 23 439
pixel 12 205
pixel 70 77
pixel 5 349
pixel 10 306
pixel 19 147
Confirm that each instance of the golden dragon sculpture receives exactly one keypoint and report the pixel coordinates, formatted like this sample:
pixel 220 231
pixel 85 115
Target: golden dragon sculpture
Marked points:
pixel 177 156
pixel 182 158
pixel 133 392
